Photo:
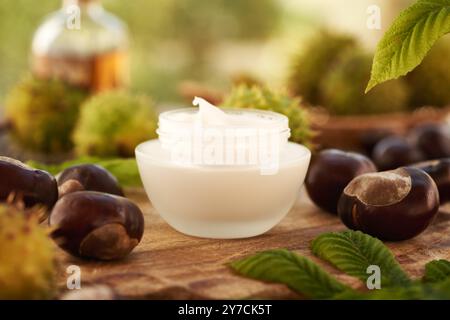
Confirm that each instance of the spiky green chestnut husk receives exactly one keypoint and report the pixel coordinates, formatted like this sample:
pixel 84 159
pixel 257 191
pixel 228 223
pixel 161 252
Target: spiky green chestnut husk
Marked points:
pixel 343 89
pixel 308 67
pixel 27 256
pixel 113 124
pixel 259 97
pixel 430 81
pixel 43 113
pixel 247 79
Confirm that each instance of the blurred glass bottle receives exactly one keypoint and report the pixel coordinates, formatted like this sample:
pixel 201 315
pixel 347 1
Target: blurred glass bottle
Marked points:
pixel 83 45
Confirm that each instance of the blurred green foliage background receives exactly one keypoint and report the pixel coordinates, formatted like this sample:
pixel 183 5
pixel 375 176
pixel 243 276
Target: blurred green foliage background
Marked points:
pixel 202 40
pixel 171 39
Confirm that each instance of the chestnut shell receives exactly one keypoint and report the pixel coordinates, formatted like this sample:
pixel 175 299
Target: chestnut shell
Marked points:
pixel 88 177
pixel 370 138
pixel 394 152
pixel 96 225
pixel 439 171
pixel 398 220
pixel 330 172
pixel 31 186
pixel 432 139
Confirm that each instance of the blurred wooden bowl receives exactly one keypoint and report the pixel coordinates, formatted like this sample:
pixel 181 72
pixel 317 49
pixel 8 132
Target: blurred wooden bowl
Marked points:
pixel 349 132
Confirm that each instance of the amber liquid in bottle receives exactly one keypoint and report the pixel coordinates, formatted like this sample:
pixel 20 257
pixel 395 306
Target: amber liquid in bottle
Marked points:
pixel 96 73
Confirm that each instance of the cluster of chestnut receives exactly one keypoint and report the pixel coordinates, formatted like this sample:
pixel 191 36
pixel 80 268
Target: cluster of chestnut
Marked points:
pixel 88 213
pixel 399 201
pixel 424 142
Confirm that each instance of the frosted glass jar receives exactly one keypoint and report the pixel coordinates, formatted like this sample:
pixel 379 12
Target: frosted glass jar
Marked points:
pixel 222 201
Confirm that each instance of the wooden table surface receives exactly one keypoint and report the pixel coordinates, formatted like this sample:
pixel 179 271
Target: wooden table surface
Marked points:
pixel 170 265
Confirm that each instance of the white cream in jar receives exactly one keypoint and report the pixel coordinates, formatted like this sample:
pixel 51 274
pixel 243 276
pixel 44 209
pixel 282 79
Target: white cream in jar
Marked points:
pixel 222 173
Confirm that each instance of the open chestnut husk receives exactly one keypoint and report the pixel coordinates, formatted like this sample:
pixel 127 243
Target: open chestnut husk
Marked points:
pixel 439 171
pixel 96 225
pixel 394 152
pixel 330 172
pixel 87 177
pixel 32 187
pixel 391 205
pixel 433 140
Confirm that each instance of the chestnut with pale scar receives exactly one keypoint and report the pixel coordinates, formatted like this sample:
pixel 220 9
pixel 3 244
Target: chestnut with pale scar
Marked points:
pixel 96 225
pixel 390 205
pixel 31 186
pixel 87 177
pixel 439 170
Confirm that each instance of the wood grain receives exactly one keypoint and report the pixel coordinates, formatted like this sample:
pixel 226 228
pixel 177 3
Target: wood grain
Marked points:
pixel 170 265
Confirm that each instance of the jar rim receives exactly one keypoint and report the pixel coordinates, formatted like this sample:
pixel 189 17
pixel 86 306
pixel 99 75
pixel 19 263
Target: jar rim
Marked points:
pixel 277 116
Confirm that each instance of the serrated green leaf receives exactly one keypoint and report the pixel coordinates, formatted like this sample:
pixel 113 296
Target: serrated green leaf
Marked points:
pixel 439 290
pixel 437 271
pixel 353 251
pixel 417 291
pixel 409 39
pixel 297 272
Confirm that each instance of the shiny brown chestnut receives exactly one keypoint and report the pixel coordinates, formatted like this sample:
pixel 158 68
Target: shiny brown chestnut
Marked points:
pixel 31 186
pixel 433 140
pixel 96 225
pixel 391 205
pixel 87 177
pixel 439 171
pixel 394 152
pixel 331 170
pixel 370 138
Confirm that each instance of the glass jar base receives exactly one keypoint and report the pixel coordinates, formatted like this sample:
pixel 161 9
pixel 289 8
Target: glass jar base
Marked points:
pixel 222 230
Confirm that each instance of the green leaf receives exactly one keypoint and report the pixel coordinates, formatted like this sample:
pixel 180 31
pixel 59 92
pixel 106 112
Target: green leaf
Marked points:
pixel 297 272
pixel 409 39
pixel 439 290
pixel 417 291
pixel 437 271
pixel 354 251
pixel 125 170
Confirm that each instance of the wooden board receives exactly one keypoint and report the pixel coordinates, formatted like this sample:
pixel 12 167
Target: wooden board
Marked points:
pixel 170 265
